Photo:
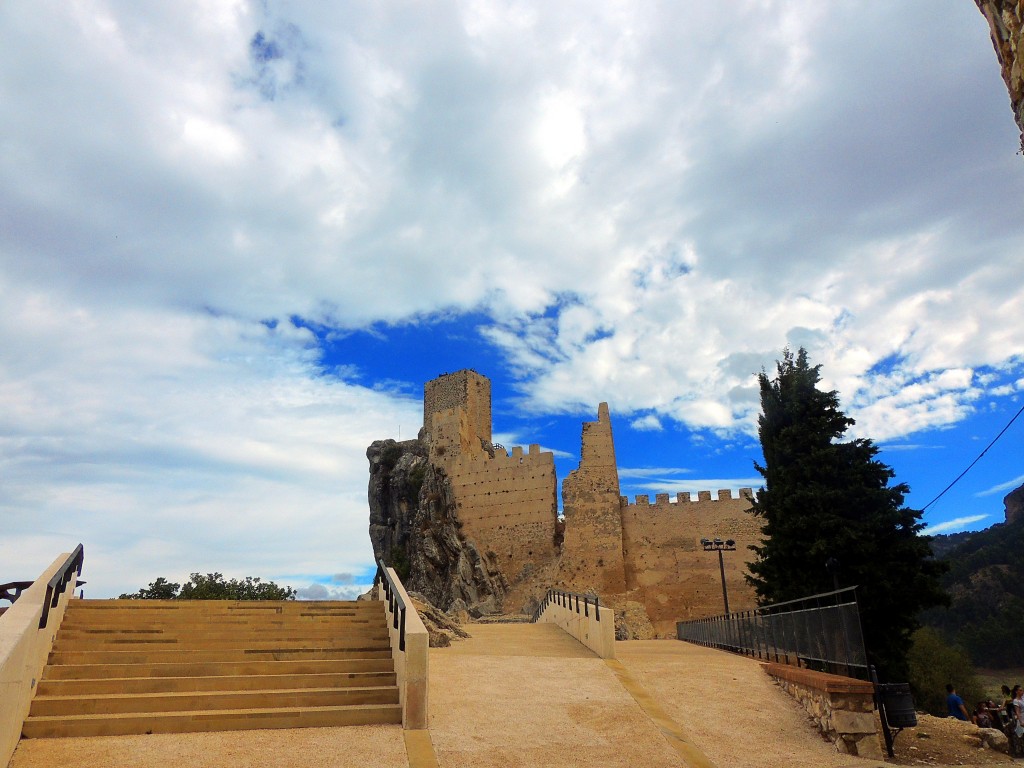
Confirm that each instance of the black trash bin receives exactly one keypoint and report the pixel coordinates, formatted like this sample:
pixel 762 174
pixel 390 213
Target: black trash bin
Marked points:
pixel 898 703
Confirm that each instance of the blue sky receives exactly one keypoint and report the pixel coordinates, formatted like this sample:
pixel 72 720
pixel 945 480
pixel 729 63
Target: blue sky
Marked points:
pixel 236 238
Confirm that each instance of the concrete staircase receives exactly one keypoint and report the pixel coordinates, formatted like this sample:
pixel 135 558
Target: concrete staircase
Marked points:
pixel 149 666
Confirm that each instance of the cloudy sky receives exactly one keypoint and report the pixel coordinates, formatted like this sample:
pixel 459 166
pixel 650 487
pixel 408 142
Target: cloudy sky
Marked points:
pixel 237 237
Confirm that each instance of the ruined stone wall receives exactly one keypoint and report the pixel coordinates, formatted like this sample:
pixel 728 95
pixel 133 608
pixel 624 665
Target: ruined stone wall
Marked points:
pixel 507 505
pixel 1006 27
pixel 666 567
pixel 466 390
pixel 592 551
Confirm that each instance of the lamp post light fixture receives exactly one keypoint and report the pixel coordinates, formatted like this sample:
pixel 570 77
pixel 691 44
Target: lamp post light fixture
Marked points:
pixel 719 546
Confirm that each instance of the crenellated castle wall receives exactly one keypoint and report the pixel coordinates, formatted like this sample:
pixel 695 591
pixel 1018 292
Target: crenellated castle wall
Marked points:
pixel 507 505
pixel 667 566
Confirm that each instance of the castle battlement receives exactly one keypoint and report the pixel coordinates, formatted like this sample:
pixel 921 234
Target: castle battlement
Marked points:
pixel 483 461
pixel 662 499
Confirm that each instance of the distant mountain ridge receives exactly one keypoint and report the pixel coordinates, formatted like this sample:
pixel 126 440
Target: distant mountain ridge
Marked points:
pixel 986 586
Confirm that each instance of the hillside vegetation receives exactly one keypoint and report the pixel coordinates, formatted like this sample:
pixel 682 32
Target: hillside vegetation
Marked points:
pixel 985 582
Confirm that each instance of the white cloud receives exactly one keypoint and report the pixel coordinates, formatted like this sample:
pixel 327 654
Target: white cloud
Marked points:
pixel 627 472
pixel 645 202
pixel 1009 485
pixel 317 591
pixel 648 423
pixel 172 442
pixel 957 524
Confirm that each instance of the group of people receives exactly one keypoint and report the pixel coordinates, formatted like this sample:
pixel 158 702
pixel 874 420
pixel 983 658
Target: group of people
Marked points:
pixel 1008 718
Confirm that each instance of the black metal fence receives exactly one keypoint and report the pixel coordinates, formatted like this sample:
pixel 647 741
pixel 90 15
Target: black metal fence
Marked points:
pixel 821 632
pixel 570 600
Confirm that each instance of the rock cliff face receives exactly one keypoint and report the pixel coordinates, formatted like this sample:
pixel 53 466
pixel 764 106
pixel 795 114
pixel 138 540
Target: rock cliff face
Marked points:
pixel 1005 25
pixel 414 528
pixel 1014 502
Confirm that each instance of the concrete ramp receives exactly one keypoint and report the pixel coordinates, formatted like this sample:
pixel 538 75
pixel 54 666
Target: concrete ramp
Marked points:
pixel 531 695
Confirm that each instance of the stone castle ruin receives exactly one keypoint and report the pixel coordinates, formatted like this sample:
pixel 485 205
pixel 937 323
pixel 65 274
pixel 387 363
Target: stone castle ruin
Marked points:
pixel 476 527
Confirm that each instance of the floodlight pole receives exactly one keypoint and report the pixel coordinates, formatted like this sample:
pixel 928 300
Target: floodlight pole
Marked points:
pixel 717 545
pixel 725 592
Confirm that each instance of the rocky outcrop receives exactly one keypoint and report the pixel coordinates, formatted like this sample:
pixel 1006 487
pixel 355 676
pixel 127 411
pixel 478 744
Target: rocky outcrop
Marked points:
pixel 414 528
pixel 1005 25
pixel 1014 502
pixel 442 628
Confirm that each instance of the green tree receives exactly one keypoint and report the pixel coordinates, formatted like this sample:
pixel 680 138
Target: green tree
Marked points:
pixel 932 664
pixel 213 586
pixel 161 589
pixel 828 499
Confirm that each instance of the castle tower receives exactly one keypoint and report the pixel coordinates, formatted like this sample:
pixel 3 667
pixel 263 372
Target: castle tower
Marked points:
pixel 593 522
pixel 506 504
pixel 464 390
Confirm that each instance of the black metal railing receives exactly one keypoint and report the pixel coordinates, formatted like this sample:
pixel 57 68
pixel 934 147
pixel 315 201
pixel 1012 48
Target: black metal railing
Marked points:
pixel 570 600
pixel 55 587
pixel 821 632
pixel 71 569
pixel 12 590
pixel 396 605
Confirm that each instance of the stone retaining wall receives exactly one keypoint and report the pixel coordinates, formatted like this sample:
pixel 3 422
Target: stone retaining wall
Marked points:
pixel 842 708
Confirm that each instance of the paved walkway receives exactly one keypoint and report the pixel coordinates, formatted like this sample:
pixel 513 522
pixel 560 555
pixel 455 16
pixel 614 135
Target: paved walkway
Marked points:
pixel 523 695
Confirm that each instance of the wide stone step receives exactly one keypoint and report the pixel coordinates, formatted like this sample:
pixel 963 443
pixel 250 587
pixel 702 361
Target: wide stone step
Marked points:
pixel 221 720
pixel 53 706
pixel 219 668
pixel 202 614
pixel 220 607
pixel 123 667
pixel 224 627
pixel 128 685
pixel 368 651
pixel 364 639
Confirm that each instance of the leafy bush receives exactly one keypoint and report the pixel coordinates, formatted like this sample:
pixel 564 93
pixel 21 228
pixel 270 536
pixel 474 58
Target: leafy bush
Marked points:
pixel 213 586
pixel 933 663
pixel 389 456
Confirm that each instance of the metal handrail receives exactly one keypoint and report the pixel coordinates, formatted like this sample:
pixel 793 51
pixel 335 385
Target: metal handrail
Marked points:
pixel 12 590
pixel 395 600
pixel 810 630
pixel 59 581
pixel 565 599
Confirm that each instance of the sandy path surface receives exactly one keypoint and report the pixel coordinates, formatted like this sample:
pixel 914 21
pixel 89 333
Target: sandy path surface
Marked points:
pixel 730 708
pixel 352 747
pixel 531 695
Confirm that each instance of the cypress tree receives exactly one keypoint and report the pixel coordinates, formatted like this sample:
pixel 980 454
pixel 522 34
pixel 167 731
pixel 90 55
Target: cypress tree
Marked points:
pixel 823 499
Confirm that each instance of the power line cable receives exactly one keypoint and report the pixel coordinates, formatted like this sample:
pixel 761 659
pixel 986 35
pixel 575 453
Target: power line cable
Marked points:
pixel 975 461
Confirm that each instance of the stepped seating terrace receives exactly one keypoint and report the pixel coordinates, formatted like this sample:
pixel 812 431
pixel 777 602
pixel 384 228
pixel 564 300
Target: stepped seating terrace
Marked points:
pixel 128 667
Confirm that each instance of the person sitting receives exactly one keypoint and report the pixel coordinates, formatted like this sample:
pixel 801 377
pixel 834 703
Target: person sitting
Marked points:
pixel 982 717
pixel 955 704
